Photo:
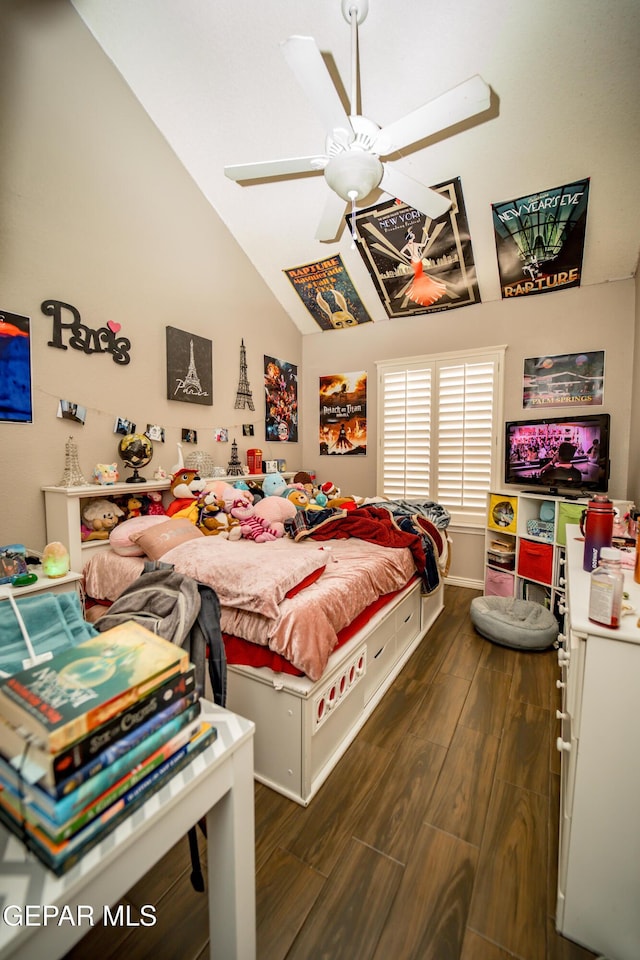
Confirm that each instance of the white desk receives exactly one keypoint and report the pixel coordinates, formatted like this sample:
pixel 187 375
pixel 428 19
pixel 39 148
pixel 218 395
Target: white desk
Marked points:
pixel 218 784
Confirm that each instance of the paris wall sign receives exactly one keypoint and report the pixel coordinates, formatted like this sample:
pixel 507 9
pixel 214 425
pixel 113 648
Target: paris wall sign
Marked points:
pixel 67 321
pixel 189 367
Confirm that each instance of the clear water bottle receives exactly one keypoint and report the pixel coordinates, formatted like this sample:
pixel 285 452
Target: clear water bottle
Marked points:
pixel 607 585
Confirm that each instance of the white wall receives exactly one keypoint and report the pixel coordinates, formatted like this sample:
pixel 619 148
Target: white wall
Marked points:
pixel 96 211
pixel 598 317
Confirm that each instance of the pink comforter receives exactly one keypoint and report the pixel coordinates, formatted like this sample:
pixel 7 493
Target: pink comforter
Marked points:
pixel 304 627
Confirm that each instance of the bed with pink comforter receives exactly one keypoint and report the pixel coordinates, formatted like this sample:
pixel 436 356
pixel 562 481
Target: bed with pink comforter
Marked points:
pixel 292 597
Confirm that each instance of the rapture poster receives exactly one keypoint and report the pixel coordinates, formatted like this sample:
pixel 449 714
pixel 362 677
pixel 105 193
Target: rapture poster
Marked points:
pixel 540 240
pixel 418 265
pixel 16 403
pixel 343 414
pixel 328 293
pixel 281 400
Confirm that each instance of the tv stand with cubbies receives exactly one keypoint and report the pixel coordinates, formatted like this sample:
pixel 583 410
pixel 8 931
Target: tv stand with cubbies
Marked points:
pixel 525 543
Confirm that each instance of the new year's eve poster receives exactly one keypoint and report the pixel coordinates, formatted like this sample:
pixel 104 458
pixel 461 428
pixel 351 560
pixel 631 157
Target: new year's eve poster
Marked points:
pixel 328 293
pixel 15 368
pixel 281 400
pixel 540 240
pixel 343 414
pixel 419 265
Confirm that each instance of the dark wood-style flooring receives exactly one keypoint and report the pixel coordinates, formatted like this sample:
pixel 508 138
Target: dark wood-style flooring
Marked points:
pixel 435 838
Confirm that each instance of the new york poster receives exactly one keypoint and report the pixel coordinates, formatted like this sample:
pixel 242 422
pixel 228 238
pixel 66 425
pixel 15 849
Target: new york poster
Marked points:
pixel 417 264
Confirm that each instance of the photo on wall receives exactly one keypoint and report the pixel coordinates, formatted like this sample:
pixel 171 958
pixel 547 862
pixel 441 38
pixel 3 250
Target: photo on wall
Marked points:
pixel 281 400
pixel 564 380
pixel 343 414
pixel 189 367
pixel 16 401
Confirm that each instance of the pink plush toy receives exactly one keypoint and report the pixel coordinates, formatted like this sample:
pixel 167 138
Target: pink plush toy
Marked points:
pixel 252 526
pixel 275 510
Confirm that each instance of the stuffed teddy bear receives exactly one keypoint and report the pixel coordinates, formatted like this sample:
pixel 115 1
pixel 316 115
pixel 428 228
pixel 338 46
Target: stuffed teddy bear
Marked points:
pixel 134 507
pixel 213 519
pixel 99 517
pixel 252 526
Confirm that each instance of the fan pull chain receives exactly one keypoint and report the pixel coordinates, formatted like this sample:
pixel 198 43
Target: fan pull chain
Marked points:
pixel 354 233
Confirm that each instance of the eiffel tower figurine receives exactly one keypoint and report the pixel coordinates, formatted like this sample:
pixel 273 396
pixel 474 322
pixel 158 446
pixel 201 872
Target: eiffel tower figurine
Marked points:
pixel 192 379
pixel 234 467
pixel 244 396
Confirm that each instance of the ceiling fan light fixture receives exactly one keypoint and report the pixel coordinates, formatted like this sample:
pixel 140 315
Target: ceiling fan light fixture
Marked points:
pixel 353 174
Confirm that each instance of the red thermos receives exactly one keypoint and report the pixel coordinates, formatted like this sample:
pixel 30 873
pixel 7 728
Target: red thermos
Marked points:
pixel 597 526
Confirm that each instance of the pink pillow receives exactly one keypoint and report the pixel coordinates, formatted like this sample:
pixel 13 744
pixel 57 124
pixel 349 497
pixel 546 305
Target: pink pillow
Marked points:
pixel 156 541
pixel 120 537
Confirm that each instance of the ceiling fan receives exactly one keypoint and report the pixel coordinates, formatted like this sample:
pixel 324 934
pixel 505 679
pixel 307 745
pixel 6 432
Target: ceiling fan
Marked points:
pixel 351 160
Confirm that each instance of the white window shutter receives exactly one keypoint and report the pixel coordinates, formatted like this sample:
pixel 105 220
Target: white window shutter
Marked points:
pixel 406 432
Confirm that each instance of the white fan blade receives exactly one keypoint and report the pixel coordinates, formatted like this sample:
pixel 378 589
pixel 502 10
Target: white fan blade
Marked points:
pixel 275 168
pixel 415 194
pixel 331 220
pixel 305 60
pixel 461 102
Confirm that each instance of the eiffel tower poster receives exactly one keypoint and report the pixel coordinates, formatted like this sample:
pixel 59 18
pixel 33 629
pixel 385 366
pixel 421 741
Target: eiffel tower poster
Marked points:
pixel 189 367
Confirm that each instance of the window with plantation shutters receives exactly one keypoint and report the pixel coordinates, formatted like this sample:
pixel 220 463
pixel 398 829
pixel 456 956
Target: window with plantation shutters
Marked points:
pixel 438 426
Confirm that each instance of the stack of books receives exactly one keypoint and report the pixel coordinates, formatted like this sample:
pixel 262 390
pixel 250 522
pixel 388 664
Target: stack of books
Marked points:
pixel 87 736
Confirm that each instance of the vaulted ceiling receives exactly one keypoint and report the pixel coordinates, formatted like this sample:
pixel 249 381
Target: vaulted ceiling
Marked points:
pixel 565 82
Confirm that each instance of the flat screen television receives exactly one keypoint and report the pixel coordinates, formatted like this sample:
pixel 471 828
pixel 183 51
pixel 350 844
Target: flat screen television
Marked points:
pixel 558 454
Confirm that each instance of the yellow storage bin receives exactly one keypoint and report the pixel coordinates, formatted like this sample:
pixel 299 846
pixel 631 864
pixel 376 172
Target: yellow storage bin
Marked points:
pixel 503 513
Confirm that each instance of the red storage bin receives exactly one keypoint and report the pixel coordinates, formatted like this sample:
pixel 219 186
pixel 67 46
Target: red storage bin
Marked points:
pixel 535 561
pixel 498 584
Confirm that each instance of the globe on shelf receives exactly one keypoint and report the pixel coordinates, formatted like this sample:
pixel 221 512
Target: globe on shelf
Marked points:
pixel 136 451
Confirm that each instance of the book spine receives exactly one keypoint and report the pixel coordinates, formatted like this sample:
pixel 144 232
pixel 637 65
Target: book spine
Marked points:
pixel 94 795
pixel 61 858
pixel 121 746
pixel 95 717
pixel 76 756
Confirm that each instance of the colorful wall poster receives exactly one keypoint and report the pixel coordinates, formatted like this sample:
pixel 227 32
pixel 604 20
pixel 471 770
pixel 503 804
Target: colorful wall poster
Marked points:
pixel 418 265
pixel 281 400
pixel 16 403
pixel 540 240
pixel 564 380
pixel 343 414
pixel 189 367
pixel 327 291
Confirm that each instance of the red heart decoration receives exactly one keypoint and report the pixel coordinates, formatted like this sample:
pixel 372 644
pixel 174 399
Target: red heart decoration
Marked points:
pixel 113 326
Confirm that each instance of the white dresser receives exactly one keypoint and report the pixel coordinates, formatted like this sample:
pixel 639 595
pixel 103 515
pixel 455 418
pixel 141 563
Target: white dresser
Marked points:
pixel 599 856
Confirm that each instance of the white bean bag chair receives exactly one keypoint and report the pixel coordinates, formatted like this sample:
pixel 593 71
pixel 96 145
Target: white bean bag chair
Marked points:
pixel 523 624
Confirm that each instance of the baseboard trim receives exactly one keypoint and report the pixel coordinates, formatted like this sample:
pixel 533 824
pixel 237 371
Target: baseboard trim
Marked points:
pixel 465 582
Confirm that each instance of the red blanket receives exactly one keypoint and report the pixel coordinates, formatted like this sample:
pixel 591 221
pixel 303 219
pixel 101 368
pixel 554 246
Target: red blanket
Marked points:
pixel 373 524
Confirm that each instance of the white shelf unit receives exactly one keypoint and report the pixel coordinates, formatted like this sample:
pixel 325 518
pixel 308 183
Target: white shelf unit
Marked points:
pixel 63 510
pixel 524 553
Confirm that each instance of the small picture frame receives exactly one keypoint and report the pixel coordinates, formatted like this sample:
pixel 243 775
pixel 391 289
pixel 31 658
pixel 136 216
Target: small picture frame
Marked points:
pixel 69 410
pixel 221 435
pixel 123 426
pixel 155 432
pixel 189 435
